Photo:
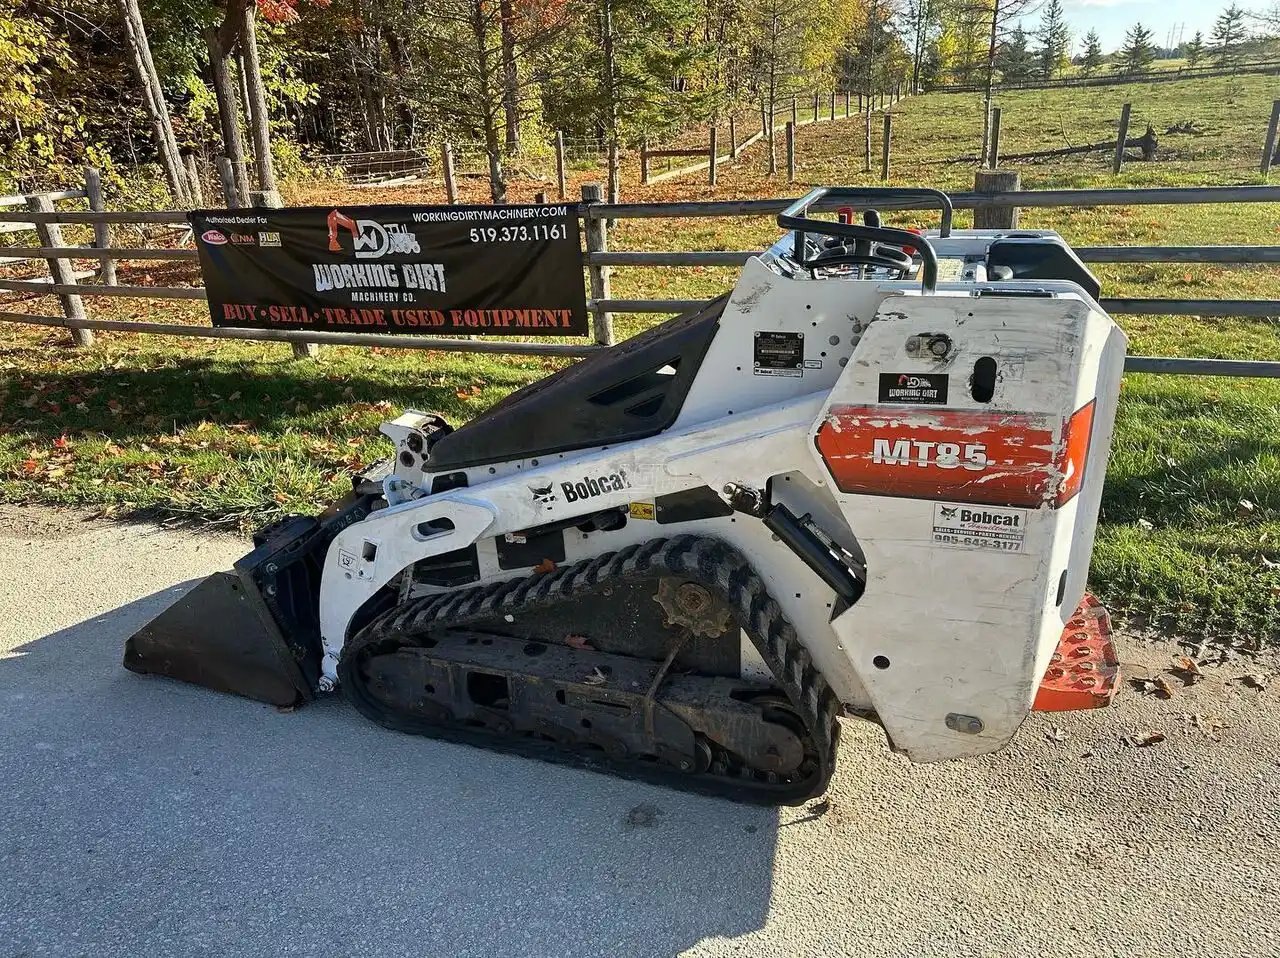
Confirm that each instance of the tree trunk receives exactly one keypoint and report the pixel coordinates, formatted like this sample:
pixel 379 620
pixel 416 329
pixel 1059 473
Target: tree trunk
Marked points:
pixel 922 20
pixel 259 124
pixel 610 85
pixel 991 69
pixel 153 96
pixel 228 114
pixel 488 103
pixel 773 92
pixel 872 26
pixel 510 75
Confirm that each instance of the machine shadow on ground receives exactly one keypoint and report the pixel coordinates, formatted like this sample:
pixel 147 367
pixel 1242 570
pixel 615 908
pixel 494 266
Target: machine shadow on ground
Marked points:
pixel 143 816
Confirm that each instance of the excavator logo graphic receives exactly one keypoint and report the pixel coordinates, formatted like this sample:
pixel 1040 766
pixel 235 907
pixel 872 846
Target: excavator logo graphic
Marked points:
pixel 370 238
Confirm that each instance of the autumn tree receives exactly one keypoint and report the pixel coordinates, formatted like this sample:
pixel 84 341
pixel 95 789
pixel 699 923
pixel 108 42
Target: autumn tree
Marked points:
pixel 777 29
pixel 877 58
pixel 924 26
pixel 999 14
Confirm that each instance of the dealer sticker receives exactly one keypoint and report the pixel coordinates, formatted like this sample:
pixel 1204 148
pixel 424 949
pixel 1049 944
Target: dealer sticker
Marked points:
pixel 979 527
pixel 920 388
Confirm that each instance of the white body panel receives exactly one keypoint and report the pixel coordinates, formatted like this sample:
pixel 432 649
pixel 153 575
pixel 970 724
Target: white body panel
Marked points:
pixel 965 632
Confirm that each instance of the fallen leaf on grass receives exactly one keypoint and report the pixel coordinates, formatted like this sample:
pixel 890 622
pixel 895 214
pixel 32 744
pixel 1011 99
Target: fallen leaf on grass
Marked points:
pixel 1244 507
pixel 1145 525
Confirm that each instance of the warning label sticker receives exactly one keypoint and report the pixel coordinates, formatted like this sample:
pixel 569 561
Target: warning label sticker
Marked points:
pixel 642 510
pixel 979 527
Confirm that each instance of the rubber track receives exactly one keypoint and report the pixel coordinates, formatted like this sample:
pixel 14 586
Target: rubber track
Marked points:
pixel 702 559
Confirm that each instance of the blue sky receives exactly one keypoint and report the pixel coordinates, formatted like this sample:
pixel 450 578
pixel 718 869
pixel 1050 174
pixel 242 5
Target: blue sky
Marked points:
pixel 1111 18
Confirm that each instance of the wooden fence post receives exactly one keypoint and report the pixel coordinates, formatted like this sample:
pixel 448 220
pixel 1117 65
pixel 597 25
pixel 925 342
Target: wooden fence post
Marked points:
pixel 597 242
pixel 193 180
pixel 644 161
pixel 227 177
pixel 446 164
pixel 1269 148
pixel 60 271
pixel 711 154
pixel 995 217
pixel 540 197
pixel 101 231
pixel 560 162
pixel 993 156
pixel 733 137
pixel 833 104
pixel 815 108
pixel 791 151
pixel 1121 135
pixel 884 146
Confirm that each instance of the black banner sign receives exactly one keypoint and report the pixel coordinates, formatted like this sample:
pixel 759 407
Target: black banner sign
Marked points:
pixel 495 270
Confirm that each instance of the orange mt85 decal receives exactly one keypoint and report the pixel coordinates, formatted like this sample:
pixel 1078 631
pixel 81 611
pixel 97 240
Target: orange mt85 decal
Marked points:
pixel 988 458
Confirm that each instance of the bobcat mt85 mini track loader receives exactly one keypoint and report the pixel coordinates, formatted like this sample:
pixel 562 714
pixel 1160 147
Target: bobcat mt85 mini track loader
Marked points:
pixel 865 482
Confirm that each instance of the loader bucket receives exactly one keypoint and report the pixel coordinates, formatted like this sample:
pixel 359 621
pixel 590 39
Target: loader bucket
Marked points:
pixel 254 631
pixel 220 635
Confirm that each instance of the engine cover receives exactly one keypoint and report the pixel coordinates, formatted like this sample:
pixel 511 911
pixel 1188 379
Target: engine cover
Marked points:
pixel 967 442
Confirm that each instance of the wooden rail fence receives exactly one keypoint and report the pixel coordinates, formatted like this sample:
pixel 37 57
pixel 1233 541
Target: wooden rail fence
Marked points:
pixel 600 260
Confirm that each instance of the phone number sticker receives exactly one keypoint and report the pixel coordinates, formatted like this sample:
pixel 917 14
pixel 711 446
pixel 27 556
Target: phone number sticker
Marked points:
pixel 979 527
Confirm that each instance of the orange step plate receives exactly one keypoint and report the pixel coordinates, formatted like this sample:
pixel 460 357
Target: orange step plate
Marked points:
pixel 1084 671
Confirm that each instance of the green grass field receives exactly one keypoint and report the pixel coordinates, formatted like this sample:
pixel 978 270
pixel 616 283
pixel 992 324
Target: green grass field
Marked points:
pixel 235 433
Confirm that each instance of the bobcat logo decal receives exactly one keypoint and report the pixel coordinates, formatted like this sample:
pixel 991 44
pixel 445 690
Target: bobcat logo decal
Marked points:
pixel 544 495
